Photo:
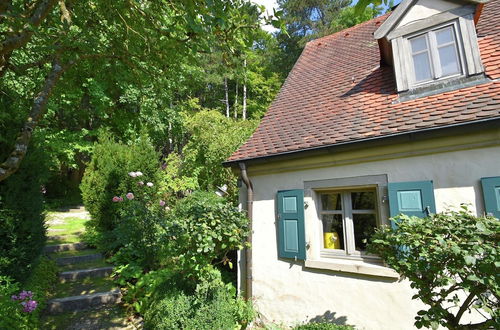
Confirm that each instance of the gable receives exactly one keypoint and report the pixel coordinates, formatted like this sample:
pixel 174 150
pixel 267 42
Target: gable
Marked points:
pixel 426 8
pixel 410 11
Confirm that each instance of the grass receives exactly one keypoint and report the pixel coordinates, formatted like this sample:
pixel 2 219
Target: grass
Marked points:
pixel 64 239
pixel 72 253
pixel 71 226
pixel 85 265
pixel 87 285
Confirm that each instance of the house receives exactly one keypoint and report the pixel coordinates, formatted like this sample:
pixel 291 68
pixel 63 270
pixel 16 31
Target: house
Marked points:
pixel 400 114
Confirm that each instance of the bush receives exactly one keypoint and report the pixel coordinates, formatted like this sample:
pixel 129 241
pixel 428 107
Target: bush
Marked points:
pixel 444 256
pixel 212 305
pixel 22 229
pixel 21 309
pixel 106 177
pixel 200 229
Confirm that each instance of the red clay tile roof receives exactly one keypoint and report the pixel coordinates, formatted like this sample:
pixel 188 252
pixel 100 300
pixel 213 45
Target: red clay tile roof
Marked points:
pixel 338 93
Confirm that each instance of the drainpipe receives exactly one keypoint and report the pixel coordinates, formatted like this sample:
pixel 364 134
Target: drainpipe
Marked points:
pixel 248 250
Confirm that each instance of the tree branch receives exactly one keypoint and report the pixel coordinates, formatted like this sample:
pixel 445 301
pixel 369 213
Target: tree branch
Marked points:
pixel 464 307
pixel 20 39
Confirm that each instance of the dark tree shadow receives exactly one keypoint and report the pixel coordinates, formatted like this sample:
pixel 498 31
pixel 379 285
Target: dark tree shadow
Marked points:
pixel 329 317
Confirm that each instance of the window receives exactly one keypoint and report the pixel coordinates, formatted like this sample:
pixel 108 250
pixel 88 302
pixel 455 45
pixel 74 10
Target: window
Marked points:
pixel 435 55
pixel 348 219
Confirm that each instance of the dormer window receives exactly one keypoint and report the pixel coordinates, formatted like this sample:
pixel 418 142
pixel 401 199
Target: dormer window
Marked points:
pixel 432 46
pixel 435 55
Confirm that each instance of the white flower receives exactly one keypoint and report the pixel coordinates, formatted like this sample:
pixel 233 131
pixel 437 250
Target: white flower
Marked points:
pixel 138 173
pixel 149 184
pixel 132 174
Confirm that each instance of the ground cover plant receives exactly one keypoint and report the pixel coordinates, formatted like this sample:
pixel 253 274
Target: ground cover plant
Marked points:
pixel 452 260
pixel 21 304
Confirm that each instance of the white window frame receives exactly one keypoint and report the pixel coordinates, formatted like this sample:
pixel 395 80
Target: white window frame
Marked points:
pixel 349 251
pixel 433 54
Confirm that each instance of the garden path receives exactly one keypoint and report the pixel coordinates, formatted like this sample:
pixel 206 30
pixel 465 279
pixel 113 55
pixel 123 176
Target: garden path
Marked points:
pixel 85 296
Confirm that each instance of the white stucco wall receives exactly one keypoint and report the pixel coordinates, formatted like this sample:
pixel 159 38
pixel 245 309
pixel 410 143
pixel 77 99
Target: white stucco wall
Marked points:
pixel 427 8
pixel 287 291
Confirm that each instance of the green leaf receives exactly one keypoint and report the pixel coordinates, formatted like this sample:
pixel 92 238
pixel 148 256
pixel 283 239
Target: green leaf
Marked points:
pixel 470 260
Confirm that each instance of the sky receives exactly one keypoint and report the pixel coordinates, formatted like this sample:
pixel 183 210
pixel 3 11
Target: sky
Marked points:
pixel 270 4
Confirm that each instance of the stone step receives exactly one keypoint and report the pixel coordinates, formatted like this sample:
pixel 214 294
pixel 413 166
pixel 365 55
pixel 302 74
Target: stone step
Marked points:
pixel 83 273
pixel 78 303
pixel 65 247
pixel 78 259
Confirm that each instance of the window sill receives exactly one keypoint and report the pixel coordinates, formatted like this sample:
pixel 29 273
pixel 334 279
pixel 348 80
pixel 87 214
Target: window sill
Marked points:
pixel 350 266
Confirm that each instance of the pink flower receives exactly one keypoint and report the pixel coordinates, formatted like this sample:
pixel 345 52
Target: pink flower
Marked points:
pixel 162 203
pixel 132 174
pixel 149 184
pixel 140 183
pixel 130 196
pixel 121 199
pixel 116 199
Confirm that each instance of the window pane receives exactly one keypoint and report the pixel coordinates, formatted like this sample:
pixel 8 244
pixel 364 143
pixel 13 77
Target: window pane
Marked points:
pixel 445 36
pixel 333 231
pixel 449 60
pixel 422 67
pixel 364 227
pixel 418 44
pixel 363 200
pixel 331 202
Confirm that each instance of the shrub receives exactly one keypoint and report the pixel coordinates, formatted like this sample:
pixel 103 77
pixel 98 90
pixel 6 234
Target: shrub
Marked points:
pixel 444 256
pixel 200 229
pixel 22 229
pixel 21 309
pixel 106 177
pixel 212 305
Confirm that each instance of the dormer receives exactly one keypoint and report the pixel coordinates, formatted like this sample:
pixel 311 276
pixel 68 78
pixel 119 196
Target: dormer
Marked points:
pixel 432 44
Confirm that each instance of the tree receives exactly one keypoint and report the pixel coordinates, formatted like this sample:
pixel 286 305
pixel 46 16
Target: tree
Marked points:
pixel 46 39
pixel 452 260
pixel 306 20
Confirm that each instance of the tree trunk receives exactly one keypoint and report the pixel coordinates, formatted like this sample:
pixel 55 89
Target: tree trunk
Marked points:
pixel 244 114
pixel 11 165
pixel 226 100
pixel 235 106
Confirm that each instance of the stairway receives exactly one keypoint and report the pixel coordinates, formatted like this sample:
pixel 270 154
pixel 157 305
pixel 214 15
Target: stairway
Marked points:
pixel 85 296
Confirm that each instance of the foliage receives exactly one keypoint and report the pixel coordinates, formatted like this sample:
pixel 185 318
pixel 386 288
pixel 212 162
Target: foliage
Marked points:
pixel 323 326
pixel 212 305
pixel 11 314
pixel 451 259
pixel 22 229
pixel 200 229
pixel 213 138
pixel 15 315
pixel 107 176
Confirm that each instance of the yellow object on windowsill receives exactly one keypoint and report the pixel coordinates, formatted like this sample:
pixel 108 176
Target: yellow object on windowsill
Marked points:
pixel 331 240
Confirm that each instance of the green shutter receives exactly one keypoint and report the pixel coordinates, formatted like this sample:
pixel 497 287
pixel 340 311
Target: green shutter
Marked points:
pixel 291 233
pixel 491 193
pixel 411 198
